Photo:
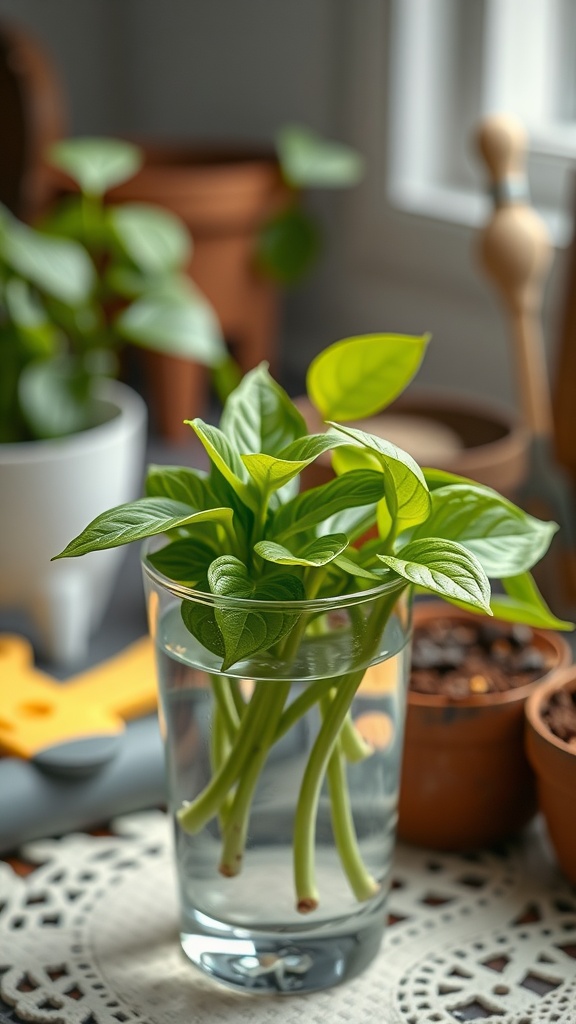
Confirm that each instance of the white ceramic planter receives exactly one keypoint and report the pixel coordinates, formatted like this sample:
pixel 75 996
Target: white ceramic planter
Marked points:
pixel 49 491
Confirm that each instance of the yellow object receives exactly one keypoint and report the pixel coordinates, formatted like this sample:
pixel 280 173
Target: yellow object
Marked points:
pixel 37 712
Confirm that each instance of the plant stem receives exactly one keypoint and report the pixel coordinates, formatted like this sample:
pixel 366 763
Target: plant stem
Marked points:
pixel 237 819
pixel 307 807
pixel 219 751
pixel 303 702
pixel 239 702
pixel 192 816
pixel 362 883
pixel 353 745
pixel 225 705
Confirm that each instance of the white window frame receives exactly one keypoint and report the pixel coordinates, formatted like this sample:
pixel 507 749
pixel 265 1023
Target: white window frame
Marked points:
pixel 516 60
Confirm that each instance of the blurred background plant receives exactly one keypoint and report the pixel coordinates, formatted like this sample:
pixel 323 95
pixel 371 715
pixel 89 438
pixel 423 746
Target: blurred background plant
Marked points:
pixel 290 242
pixel 87 278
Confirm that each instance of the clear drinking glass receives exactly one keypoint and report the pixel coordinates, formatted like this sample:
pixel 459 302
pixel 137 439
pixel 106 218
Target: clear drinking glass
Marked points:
pixel 242 919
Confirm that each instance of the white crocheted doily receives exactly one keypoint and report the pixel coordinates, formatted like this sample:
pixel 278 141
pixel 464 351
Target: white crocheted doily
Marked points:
pixel 90 937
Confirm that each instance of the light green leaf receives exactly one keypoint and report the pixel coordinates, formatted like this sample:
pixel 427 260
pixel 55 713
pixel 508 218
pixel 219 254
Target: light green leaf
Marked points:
pixel 96 164
pixel 406 492
pixel 360 376
pixel 524 603
pixel 269 473
pixel 247 631
pixel 354 522
pixel 222 453
pixel 443 567
pixel 308 160
pixel 354 568
pixel 58 266
pixel 311 446
pixel 180 483
pixel 350 457
pixel 259 416
pixel 359 488
pixel 186 560
pixel 153 238
pixel 319 552
pixel 436 478
pixel 177 325
pixel 505 539
pixel 136 520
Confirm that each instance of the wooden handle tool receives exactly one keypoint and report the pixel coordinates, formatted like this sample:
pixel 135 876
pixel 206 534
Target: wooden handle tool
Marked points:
pixel 516 254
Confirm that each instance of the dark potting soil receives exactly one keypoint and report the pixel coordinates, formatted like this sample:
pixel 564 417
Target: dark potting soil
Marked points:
pixel 457 659
pixel 559 714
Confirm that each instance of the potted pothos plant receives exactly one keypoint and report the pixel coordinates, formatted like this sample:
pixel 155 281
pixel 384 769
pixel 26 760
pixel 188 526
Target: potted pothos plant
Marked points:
pixel 73 289
pixel 254 236
pixel 281 621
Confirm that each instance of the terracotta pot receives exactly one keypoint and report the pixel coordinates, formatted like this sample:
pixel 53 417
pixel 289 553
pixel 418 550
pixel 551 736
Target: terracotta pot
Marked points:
pixel 466 781
pixel 554 763
pixel 223 196
pixel 472 438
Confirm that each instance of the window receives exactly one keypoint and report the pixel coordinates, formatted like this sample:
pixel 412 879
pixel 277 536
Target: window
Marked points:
pixel 453 61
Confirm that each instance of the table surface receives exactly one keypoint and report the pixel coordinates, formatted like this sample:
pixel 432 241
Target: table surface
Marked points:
pixel 88 933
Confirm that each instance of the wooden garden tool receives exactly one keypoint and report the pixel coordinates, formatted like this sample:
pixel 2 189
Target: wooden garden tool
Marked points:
pixel 516 254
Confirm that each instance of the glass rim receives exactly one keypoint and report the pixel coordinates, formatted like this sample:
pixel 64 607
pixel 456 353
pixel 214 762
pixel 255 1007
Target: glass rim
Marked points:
pixel 309 604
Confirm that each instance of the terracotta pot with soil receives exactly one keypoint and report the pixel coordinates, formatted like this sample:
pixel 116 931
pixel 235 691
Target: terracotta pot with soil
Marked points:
pixel 466 781
pixel 551 749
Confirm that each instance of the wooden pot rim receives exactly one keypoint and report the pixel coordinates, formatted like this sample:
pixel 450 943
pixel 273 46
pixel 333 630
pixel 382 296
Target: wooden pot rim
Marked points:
pixel 426 611
pixel 564 678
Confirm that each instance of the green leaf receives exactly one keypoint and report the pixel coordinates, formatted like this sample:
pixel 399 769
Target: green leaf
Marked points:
pixel 311 446
pixel 200 621
pixel 359 488
pixel 136 520
pixel 270 473
pixel 180 483
pixel 287 246
pixel 308 160
pixel 248 631
pixel 354 522
pixel 186 560
pixel 443 567
pixel 358 377
pixel 406 492
pixel 524 603
pixel 177 325
pixel 96 164
pixel 259 416
pixel 154 239
pixel 505 539
pixel 436 478
pixel 354 568
pixel 22 304
pixel 222 453
pixel 33 330
pixel 319 552
pixel 58 266
pixel 55 397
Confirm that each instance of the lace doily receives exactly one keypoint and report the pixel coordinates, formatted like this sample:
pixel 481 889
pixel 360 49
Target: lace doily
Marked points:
pixel 90 937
